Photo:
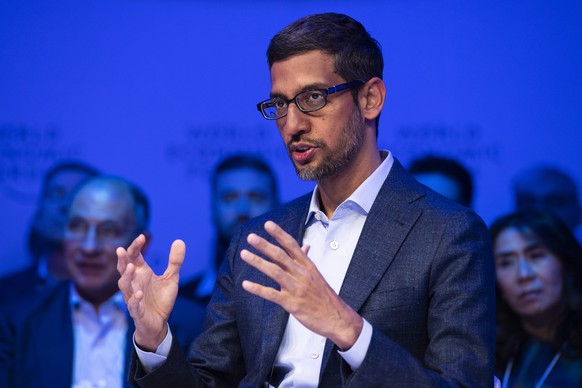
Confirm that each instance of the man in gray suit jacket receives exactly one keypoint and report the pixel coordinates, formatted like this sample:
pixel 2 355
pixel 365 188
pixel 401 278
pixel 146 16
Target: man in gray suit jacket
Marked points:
pixel 371 280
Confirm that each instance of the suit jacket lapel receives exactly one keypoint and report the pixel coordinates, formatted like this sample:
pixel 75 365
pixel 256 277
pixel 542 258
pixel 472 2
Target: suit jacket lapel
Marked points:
pixel 390 219
pixel 52 334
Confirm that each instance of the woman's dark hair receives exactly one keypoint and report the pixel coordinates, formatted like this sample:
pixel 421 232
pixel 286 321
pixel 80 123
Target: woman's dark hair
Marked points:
pixel 559 240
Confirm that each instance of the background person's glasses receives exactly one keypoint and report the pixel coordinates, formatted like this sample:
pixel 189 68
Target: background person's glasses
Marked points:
pixel 306 101
pixel 106 232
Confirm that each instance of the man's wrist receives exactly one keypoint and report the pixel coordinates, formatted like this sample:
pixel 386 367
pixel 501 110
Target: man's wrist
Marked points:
pixel 153 360
pixel 356 354
pixel 347 337
pixel 146 344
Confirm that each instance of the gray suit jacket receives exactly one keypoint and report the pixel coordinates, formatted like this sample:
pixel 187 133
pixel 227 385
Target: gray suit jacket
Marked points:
pixel 422 274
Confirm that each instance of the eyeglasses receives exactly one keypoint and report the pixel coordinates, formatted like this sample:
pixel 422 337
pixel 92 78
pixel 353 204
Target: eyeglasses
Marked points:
pixel 306 101
pixel 107 232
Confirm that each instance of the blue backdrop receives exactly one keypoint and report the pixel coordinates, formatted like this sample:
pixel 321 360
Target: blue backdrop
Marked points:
pixel 157 91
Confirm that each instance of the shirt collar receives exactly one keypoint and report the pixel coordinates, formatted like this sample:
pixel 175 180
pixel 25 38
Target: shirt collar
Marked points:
pixel 365 195
pixel 115 301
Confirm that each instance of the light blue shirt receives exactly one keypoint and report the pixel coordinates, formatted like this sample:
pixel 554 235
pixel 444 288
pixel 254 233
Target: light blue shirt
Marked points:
pixel 99 338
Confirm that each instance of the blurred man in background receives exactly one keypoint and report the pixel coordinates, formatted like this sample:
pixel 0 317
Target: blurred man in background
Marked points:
pixel 446 176
pixel 545 187
pixel 243 187
pixel 45 239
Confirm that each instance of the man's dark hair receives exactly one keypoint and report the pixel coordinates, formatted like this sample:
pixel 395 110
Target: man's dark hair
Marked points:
pixel 452 169
pixel 358 56
pixel 141 205
pixel 67 166
pixel 240 161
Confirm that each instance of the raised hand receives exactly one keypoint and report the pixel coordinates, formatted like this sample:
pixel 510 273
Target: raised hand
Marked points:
pixel 149 298
pixel 304 292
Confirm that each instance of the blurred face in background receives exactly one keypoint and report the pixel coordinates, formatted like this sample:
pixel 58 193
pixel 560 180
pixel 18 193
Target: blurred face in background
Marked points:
pixel 240 194
pixel 552 191
pixel 52 211
pixel 529 276
pixel 101 218
pixel 442 184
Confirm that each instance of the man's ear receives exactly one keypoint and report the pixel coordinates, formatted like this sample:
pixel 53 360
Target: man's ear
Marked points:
pixel 372 97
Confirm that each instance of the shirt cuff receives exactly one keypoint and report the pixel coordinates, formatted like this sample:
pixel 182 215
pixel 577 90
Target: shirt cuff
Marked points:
pixel 152 361
pixel 356 354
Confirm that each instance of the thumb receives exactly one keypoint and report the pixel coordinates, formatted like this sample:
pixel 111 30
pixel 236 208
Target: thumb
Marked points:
pixel 177 254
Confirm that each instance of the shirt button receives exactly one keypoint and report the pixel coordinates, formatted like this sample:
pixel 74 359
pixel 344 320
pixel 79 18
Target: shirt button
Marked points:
pixel 334 245
pixel 314 355
pixel 318 216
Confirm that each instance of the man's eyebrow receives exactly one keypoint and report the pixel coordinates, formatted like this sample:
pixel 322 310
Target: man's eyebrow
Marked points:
pixel 305 88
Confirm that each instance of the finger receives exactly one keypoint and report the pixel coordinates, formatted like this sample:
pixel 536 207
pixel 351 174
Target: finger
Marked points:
pixel 125 282
pixel 134 305
pixel 305 248
pixel 272 251
pixel 288 243
pixel 272 270
pixel 267 293
pixel 175 260
pixel 132 296
pixel 122 260
pixel 134 251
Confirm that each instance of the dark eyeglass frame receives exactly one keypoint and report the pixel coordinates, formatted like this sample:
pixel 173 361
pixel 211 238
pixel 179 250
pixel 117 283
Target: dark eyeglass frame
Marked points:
pixel 325 92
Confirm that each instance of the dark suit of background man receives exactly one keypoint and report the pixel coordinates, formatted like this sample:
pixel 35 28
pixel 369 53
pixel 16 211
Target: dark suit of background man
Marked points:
pixel 78 334
pixel 243 187
pixel 371 280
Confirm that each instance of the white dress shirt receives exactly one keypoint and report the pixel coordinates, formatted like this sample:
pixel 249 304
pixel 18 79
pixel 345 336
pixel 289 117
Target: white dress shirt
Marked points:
pixel 99 338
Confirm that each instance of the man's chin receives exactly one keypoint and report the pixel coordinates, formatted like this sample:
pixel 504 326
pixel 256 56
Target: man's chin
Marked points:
pixel 304 175
pixel 305 172
pixel 310 173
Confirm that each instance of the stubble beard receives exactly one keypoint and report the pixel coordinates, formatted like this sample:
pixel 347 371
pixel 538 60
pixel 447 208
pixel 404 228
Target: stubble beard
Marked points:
pixel 350 139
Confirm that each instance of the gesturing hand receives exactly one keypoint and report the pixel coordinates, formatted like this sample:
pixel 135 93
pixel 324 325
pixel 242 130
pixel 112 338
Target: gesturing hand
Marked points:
pixel 149 298
pixel 304 292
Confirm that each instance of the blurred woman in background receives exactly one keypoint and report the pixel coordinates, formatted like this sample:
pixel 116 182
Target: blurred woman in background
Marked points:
pixel 538 266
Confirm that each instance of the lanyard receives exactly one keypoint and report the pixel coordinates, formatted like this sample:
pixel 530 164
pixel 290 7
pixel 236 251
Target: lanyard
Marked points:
pixel 540 381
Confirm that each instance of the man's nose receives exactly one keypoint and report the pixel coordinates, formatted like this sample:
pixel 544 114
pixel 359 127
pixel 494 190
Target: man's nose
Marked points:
pixel 243 205
pixel 90 242
pixel 296 122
